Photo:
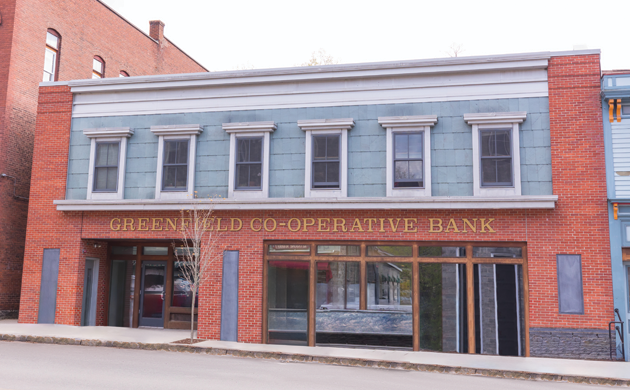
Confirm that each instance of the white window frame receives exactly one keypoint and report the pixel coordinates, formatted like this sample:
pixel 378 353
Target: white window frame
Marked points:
pixel 247 130
pixel 321 127
pixel 496 121
pixel 108 134
pixel 408 124
pixel 176 132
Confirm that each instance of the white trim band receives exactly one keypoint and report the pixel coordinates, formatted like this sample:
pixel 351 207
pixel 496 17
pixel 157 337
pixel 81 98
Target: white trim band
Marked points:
pixel 250 127
pixel 488 118
pixel 103 132
pixel 326 124
pixel 177 130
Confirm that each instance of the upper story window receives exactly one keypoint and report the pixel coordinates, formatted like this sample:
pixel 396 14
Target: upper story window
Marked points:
pixel 408 154
pixel 249 158
pixel 106 166
pixel 51 60
pixel 326 158
pixel 175 177
pixel 496 158
pixel 106 169
pixel 123 74
pixel 98 68
pixel 496 153
pixel 326 173
pixel 249 163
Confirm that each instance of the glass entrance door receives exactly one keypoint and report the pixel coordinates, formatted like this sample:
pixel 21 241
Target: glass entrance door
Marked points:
pixel 152 293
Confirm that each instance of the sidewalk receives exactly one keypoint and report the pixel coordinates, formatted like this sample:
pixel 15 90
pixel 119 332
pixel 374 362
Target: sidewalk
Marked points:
pixel 567 370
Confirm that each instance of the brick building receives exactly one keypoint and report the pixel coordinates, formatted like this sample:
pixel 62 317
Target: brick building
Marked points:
pixel 60 40
pixel 450 205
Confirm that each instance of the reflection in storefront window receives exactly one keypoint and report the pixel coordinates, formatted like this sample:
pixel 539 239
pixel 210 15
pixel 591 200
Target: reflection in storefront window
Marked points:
pixel 287 296
pixel 182 293
pixel 124 250
pixel 484 251
pixel 441 251
pixel 155 251
pixel 339 250
pixel 628 269
pixel 443 323
pixel 390 250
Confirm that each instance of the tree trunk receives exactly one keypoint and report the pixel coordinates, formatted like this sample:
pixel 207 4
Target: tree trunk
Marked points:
pixel 192 316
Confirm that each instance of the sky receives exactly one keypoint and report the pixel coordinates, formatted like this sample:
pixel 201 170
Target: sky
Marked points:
pixel 228 35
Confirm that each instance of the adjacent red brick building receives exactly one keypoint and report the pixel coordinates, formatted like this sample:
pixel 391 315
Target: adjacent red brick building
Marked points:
pixel 84 29
pixel 419 270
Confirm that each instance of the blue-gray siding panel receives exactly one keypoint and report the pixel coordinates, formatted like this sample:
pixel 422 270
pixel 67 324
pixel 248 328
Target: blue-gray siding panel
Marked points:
pixel 451 148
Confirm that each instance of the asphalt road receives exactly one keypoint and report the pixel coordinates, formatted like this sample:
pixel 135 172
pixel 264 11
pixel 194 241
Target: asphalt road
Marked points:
pixel 51 367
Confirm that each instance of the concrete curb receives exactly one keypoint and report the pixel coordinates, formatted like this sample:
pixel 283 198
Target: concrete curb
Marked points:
pixel 299 358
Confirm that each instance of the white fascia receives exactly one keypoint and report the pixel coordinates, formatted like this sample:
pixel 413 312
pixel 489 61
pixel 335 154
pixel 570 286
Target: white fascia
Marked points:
pixel 176 132
pixel 497 121
pixel 408 124
pixel 108 134
pixel 249 129
pixel 326 126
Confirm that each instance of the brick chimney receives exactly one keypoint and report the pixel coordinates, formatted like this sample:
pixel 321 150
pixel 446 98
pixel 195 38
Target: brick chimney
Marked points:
pixel 157 30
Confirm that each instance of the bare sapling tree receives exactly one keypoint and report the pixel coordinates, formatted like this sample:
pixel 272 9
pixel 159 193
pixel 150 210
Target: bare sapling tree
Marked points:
pixel 455 50
pixel 197 250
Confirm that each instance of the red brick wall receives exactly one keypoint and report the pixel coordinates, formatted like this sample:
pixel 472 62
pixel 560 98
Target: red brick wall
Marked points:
pixel 578 224
pixel 87 28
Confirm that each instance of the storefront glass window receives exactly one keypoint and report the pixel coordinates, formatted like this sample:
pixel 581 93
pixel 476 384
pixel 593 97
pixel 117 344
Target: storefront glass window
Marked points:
pixel 441 251
pixel 290 248
pixel 337 302
pixel 287 294
pixel 339 250
pixel 124 250
pixel 155 251
pixel 499 309
pixel 443 320
pixel 628 269
pixel 389 294
pixel 121 293
pixel 182 292
pixel 484 251
pixel 390 251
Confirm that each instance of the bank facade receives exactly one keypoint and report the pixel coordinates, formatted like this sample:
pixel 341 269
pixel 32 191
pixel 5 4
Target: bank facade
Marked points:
pixel 450 205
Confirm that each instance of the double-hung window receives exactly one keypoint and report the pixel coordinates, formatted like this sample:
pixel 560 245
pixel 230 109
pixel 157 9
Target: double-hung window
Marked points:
pixel 326 173
pixel 249 163
pixel 106 169
pixel 175 178
pixel 51 59
pixel 496 153
pixel 408 154
pixel 496 158
pixel 106 166
pixel 326 158
pixel 175 167
pixel 249 158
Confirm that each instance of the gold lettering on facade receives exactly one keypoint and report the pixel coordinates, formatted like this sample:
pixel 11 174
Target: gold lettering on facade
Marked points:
pixel 128 222
pixel 409 228
pixel 357 225
pixel 369 222
pixel 434 226
pixel 299 224
pixel 274 224
pixel 111 224
pixel 185 223
pixel 240 224
pixel 321 224
pixel 171 223
pixel 339 222
pixel 155 224
pixel 208 223
pixel 308 222
pixel 391 224
pixel 382 221
pixel 485 225
pixel 473 226
pixel 251 224
pixel 451 226
pixel 142 223
pixel 219 226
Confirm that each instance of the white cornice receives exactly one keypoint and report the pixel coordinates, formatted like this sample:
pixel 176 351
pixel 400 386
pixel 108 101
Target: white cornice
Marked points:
pixel 108 132
pixel 250 127
pixel 177 130
pixel 326 124
pixel 407 122
pixel 426 203
pixel 486 118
